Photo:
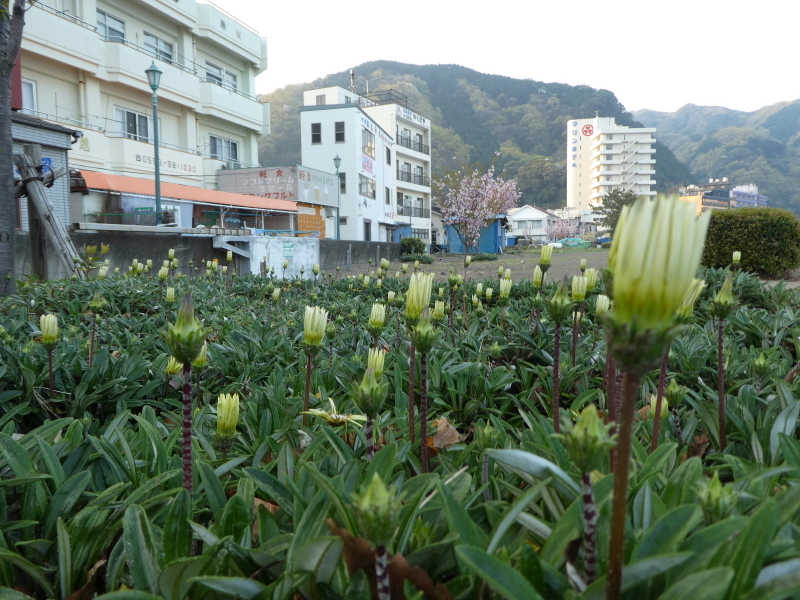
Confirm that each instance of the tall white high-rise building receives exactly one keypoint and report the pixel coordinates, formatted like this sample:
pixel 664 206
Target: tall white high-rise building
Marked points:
pixel 602 155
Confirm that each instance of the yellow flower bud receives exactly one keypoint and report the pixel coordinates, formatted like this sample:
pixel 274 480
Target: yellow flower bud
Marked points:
pixel 578 289
pixel 377 317
pixel 48 323
pixel 479 288
pixel 737 257
pixel 505 288
pixel 315 269
pixel 186 337
pixel 173 366
pixel 591 279
pixel 546 256
pixel 229 256
pixel 163 273
pixel 602 306
pixel 583 265
pixel 170 294
pixel 314 324
pixel 467 260
pixel 375 360
pixel 171 253
pixel 385 264
pixel 664 406
pixel 202 358
pixel 489 292
pixel 538 277
pixel 419 295
pixel 438 311
pixel 227 415
pixel 390 296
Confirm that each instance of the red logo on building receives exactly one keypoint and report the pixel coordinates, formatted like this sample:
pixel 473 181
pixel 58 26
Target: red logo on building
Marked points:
pixel 587 130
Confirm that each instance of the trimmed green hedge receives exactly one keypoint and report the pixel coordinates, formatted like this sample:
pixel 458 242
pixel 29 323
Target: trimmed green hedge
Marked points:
pixel 411 245
pixel 484 256
pixel 425 259
pixel 768 238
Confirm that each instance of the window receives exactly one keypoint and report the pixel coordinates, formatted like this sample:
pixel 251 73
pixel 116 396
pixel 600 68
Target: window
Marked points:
pixel 366 186
pixel 367 230
pixel 368 143
pixel 158 47
pixel 348 100
pixel 28 96
pixel 110 27
pixel 399 198
pixel 388 196
pixel 321 100
pixel 223 149
pixel 388 156
pixel 343 183
pixel 418 145
pixel 420 233
pixel 316 133
pixel 220 76
pixel 339 131
pixel 133 125
pixel 342 220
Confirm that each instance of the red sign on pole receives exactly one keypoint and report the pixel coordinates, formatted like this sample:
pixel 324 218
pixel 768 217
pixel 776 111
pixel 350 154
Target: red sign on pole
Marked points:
pixel 587 130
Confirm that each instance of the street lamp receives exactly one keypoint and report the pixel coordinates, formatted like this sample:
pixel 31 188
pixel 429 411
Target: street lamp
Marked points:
pixel 154 78
pixel 336 162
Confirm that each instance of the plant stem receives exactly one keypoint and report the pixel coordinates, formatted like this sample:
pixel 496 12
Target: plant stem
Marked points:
pixel 412 368
pixel 630 384
pixel 187 427
pixel 50 365
pixel 91 341
pixel 423 411
pixel 575 333
pixel 487 495
pixel 370 438
pixel 556 381
pixel 382 573
pixel 676 424
pixel 306 403
pixel 723 438
pixel 662 381
pixel 589 529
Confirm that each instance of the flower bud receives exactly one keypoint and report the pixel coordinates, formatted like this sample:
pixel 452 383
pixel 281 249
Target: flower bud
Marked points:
pixel 578 289
pixel 385 264
pixel 229 256
pixel 375 508
pixel 674 393
pixel 423 335
pixel 285 263
pixel 419 295
pixel 225 269
pixel 686 309
pixel 377 317
pixel 315 268
pixel 390 296
pixel 171 253
pixel 716 500
pixel 170 294
pixel 405 268
pixel 737 257
pixel 227 415
pixel 104 248
pixel 98 302
pixel 664 406
pixel 173 366
pixel 489 292
pixel 479 288
pixel 602 305
pixel 416 265
pixel 438 311
pixel 722 304
pixel 475 300
pixel 202 358
pixel 583 265
pixel 375 360
pixel 538 277
pixel 102 273
pixel 507 274
pixel 441 292
pixel 494 351
pixel 149 263
pixel 588 441
pixel 370 395
pixel 163 273
pixel 760 365
pixel 500 271
pixel 505 288
pixel 467 260
pixel 314 324
pixel 486 437
pixel 48 323
pixel 591 279
pixel 545 257
pixel 560 305
pixel 186 337
pixel 365 281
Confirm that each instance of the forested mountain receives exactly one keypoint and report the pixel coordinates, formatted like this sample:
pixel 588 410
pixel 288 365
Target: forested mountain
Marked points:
pixel 761 147
pixel 475 115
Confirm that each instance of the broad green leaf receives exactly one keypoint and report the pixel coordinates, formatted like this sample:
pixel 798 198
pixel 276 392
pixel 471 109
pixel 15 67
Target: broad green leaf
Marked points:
pixel 177 532
pixel 174 578
pixel 511 515
pixel 64 500
pixel 144 558
pixel 781 581
pixel 9 594
pixel 234 586
pixel 681 486
pixel 785 424
pixel 32 570
pixel 640 572
pixel 64 560
pixel 278 492
pixel 459 520
pixel 499 576
pixel 529 466
pixel 668 533
pixel 236 518
pixel 655 462
pixel 705 585
pixel 212 487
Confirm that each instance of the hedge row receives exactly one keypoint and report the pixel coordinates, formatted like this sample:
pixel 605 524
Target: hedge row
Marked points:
pixel 768 238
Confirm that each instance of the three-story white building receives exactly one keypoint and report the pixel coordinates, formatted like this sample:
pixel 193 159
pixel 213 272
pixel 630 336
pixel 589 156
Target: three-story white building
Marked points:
pixel 83 65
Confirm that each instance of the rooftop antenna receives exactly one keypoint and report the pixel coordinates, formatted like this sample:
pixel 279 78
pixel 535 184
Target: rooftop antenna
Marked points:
pixel 597 114
pixel 352 81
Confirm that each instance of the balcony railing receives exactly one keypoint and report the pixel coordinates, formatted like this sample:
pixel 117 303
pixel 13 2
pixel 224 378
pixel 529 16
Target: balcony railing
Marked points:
pixel 414 211
pixel 65 15
pixel 180 62
pixel 414 145
pixel 414 178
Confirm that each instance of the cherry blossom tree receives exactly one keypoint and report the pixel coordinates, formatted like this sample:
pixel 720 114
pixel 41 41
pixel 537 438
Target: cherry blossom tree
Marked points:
pixel 469 198
pixel 563 228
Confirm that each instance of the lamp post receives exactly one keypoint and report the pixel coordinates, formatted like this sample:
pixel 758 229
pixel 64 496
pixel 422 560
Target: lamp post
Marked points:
pixel 336 162
pixel 154 78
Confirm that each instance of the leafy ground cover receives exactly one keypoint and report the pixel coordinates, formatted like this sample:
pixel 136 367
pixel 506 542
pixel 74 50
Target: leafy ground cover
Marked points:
pixel 92 500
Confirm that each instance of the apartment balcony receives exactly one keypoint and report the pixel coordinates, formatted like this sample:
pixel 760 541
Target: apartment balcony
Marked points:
pixel 413 211
pixel 228 32
pixel 422 180
pixel 230 105
pixel 126 63
pixel 414 145
pixel 61 36
pixel 178 164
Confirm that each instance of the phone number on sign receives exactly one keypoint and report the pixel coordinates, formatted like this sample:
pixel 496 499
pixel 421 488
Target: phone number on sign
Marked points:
pixel 170 164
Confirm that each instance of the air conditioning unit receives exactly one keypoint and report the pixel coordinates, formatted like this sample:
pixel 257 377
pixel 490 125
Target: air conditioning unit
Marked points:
pixel 231 164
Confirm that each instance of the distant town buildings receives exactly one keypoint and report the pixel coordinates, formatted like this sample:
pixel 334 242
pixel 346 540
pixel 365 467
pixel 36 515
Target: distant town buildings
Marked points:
pixel 718 194
pixel 602 155
pixel 83 66
pixel 384 149
pixel 530 222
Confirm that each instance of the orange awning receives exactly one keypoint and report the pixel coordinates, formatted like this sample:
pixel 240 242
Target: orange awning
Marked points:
pixel 176 191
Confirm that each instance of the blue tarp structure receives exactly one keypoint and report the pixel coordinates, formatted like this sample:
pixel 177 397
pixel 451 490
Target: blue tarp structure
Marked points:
pixel 492 240
pixel 401 230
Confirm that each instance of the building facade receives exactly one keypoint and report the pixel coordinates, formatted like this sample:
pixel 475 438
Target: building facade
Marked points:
pixel 529 222
pixel 747 196
pixel 602 156
pixel 83 65
pixel 384 148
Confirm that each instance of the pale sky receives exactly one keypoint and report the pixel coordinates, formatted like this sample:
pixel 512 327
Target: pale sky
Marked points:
pixel 652 54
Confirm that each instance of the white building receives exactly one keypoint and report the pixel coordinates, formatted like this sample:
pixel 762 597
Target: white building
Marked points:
pixel 83 65
pixel 602 155
pixel 385 167
pixel 529 222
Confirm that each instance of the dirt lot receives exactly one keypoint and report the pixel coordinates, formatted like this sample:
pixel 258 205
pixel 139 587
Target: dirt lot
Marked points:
pixel 565 261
